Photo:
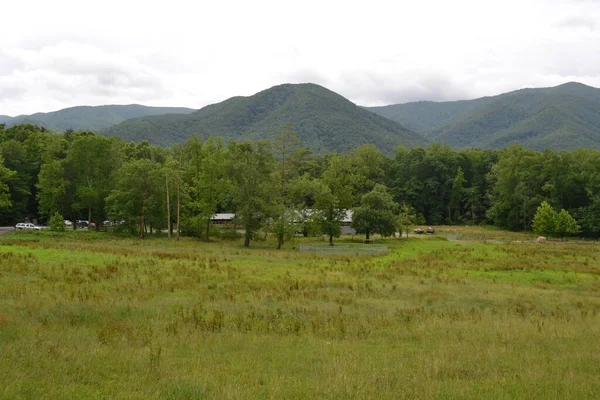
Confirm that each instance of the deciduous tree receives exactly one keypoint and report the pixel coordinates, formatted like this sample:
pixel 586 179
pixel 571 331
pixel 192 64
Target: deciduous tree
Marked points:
pixel 376 213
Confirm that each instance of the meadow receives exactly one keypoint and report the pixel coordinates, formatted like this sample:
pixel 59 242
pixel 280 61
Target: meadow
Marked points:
pixel 468 313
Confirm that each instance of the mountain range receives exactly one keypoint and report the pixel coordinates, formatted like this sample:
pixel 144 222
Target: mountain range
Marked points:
pixel 87 118
pixel 561 117
pixel 323 120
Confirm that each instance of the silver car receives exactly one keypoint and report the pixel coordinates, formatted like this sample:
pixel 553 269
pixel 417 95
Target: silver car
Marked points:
pixel 27 225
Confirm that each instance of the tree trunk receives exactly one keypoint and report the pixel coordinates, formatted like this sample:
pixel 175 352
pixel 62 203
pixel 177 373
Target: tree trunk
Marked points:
pixel 142 221
pixel 279 241
pixel 178 204
pixel 367 234
pixel 89 216
pixel 247 241
pixel 331 239
pixel 168 207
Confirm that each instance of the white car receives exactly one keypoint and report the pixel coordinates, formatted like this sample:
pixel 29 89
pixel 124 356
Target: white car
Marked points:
pixel 27 225
pixel 68 223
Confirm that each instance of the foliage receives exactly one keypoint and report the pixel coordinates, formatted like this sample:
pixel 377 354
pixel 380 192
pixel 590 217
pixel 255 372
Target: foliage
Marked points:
pixel 92 160
pixel 286 171
pixel 406 219
pixel 281 187
pixel 138 195
pixel 544 220
pixel 210 185
pixel 57 222
pixel 456 196
pixel 333 195
pixel 251 168
pixel 590 218
pixel 376 213
pixel 52 187
pixel 548 221
pixel 565 224
pixel 5 175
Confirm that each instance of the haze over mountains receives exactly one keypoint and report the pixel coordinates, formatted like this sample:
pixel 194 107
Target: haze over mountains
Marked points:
pixel 561 117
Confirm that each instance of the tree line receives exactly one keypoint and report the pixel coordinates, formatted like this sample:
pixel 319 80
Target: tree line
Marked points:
pixel 280 187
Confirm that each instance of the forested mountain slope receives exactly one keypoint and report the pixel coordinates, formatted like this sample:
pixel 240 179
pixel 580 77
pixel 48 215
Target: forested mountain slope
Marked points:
pixel 562 117
pixel 324 121
pixel 90 118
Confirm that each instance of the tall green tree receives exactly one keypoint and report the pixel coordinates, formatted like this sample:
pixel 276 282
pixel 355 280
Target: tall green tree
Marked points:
pixel 376 213
pixel 251 170
pixel 211 185
pixel 517 188
pixel 406 219
pixel 19 184
pixel 93 160
pixel 5 176
pixel 138 195
pixel 456 196
pixel 52 187
pixel 286 170
pixel 333 195
pixel 589 218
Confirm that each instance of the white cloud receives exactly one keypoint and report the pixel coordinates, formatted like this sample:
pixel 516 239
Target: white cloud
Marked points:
pixel 190 54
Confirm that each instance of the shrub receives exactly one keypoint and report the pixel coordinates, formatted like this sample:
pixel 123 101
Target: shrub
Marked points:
pixel 228 232
pixel 57 222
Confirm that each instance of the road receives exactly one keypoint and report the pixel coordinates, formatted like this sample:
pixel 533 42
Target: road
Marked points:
pixel 4 229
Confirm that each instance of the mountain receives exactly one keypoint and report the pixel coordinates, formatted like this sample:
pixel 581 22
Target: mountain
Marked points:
pixel 4 119
pixel 324 121
pixel 561 117
pixel 87 118
pixel 421 116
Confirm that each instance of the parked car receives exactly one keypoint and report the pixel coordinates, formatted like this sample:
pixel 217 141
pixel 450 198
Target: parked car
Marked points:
pixel 68 223
pixel 82 223
pixel 418 230
pixel 27 225
pixel 430 229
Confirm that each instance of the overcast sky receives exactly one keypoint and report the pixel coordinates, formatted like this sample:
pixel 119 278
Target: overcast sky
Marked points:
pixel 60 53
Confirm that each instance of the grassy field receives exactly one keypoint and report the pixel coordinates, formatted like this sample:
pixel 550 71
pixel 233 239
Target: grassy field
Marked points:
pixel 486 314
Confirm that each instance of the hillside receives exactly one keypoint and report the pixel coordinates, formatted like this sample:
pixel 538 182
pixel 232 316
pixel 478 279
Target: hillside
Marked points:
pixel 561 117
pixel 421 116
pixel 90 118
pixel 324 121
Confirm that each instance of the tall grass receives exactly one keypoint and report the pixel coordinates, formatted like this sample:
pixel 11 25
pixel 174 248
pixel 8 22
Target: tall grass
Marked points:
pixel 92 316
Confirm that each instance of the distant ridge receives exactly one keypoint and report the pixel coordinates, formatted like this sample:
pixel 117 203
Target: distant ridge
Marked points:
pixel 562 117
pixel 324 121
pixel 90 118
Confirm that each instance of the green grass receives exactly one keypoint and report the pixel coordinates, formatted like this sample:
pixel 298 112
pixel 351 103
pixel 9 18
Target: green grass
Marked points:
pixel 88 315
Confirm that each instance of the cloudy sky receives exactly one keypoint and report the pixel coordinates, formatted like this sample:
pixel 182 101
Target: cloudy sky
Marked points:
pixel 62 53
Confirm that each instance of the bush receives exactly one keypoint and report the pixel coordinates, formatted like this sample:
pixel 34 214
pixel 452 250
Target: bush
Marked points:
pixel 228 232
pixel 57 222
